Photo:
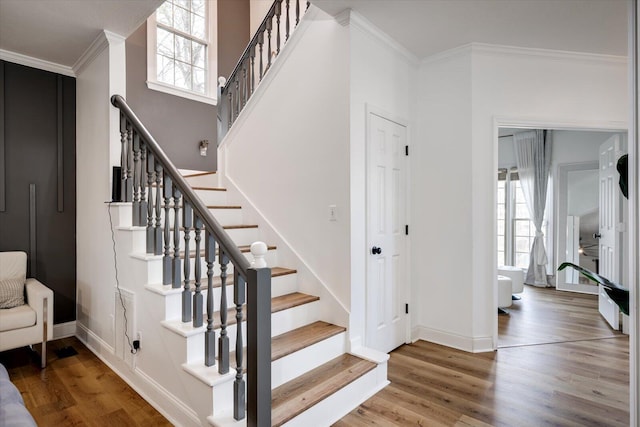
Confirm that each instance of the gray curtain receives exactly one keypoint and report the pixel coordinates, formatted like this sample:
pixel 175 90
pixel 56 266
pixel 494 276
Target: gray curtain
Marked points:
pixel 533 157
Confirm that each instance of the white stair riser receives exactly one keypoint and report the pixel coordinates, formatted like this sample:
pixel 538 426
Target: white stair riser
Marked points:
pixel 293 365
pixel 280 285
pixel 227 216
pixel 224 216
pixel 212 198
pixel 281 322
pixel 340 403
pixel 208 180
pixel 295 317
pixel 240 236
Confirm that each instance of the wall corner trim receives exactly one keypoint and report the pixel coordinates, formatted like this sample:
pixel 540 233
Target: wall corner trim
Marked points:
pixel 100 43
pixel 38 63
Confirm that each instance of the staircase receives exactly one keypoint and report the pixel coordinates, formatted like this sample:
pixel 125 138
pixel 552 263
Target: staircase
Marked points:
pixel 314 380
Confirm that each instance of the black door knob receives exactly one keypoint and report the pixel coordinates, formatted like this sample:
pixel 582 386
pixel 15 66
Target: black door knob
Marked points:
pixel 376 250
pixel 597 235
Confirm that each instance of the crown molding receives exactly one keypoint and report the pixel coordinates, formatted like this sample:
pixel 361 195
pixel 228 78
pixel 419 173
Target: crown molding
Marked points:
pixel 40 64
pixel 351 17
pixel 493 49
pixel 100 43
pixel 485 48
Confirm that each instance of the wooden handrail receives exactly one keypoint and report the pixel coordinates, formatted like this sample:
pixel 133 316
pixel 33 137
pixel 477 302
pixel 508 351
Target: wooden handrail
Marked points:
pixel 212 225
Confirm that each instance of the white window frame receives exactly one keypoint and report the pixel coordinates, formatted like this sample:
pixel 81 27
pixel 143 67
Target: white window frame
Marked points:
pixel 211 88
pixel 510 220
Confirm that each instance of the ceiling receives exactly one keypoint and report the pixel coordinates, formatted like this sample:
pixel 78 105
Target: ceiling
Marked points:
pixel 426 27
pixel 60 31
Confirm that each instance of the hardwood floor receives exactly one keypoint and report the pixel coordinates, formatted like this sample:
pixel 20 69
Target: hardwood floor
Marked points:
pixel 559 365
pixel 78 390
pixel 545 315
pixel 535 380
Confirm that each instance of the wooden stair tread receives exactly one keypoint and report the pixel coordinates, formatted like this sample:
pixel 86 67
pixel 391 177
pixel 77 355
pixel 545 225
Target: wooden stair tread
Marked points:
pixel 282 302
pixel 217 281
pixel 294 340
pixel 224 207
pixel 242 248
pixel 199 174
pixel 226 227
pixel 208 188
pixel 303 337
pixel 301 393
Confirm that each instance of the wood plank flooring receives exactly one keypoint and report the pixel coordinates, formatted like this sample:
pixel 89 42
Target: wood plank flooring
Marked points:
pixel 545 315
pixel 561 366
pixel 78 390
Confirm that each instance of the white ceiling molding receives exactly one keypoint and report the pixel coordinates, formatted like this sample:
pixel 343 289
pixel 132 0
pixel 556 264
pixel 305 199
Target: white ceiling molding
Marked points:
pixel 547 53
pixel 492 49
pixel 40 64
pixel 104 39
pixel 448 54
pixel 351 17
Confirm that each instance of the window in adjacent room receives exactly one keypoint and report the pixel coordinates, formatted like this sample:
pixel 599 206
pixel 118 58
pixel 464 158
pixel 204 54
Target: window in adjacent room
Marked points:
pixel 181 49
pixel 515 231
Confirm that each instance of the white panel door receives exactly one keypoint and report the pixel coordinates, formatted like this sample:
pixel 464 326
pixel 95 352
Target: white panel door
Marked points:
pixel 386 265
pixel 611 218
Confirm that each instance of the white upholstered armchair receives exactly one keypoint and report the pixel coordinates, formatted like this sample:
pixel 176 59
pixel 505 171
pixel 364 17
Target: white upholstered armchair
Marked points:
pixel 28 323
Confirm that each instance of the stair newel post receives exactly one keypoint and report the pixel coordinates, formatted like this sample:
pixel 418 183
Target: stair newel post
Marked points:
pixel 136 180
pixel 157 249
pixel 287 25
pixel 297 12
pixel 223 340
pixel 175 264
pixel 210 334
pixel 167 277
pixel 197 296
pixel 144 206
pixel 150 169
pixel 187 221
pixel 269 26
pixel 124 150
pixel 259 346
pixel 239 389
pixel 278 12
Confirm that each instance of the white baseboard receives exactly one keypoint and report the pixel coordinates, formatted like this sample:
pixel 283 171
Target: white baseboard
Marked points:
pixel 174 410
pixel 64 330
pixel 470 344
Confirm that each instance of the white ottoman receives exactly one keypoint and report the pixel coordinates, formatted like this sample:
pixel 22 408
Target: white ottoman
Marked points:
pixel 504 293
pixel 517 278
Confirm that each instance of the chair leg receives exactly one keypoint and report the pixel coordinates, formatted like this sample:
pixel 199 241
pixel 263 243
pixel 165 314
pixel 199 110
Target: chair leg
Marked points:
pixel 45 325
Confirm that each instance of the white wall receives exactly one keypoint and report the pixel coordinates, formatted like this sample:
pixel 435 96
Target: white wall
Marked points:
pixel 288 153
pixel 257 11
pixel 499 86
pixel 441 204
pixel 97 150
pixel 381 76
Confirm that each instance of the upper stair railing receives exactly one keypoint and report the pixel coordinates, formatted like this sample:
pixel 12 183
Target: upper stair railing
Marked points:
pixel 256 60
pixel 152 183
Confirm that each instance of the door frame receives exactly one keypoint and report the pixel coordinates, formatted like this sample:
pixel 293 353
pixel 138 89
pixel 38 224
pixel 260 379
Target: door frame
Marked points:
pixel 406 289
pixel 560 215
pixel 634 213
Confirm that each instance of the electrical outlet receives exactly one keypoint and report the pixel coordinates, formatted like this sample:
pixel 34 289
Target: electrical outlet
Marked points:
pixel 333 213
